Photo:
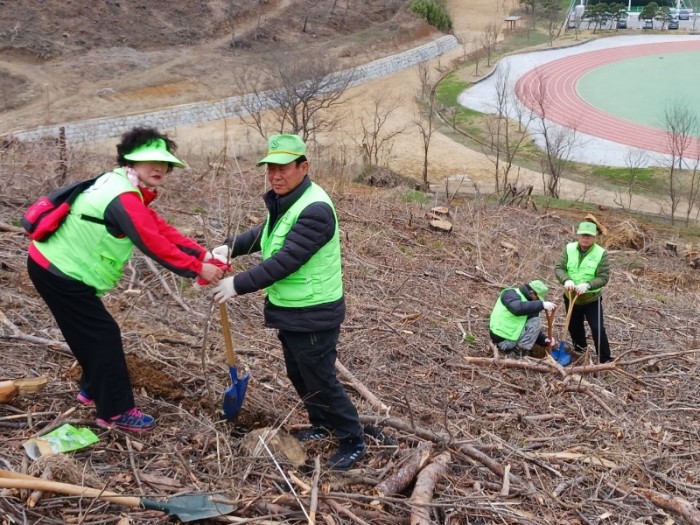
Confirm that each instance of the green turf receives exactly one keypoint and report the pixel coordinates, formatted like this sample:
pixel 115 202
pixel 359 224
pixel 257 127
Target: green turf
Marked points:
pixel 641 89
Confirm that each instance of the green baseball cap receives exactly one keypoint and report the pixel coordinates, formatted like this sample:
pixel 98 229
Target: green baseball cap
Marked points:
pixel 587 228
pixel 283 149
pixel 539 288
pixel 154 151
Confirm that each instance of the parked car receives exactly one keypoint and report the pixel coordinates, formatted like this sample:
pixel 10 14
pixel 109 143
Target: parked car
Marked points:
pixel 648 23
pixel 684 14
pixel 622 23
pixel 672 23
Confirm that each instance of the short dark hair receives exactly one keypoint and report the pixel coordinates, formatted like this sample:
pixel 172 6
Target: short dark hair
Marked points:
pixel 299 160
pixel 138 137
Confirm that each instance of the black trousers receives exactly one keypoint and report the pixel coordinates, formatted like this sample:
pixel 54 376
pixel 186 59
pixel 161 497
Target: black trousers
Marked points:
pixel 92 335
pixel 310 361
pixel 593 314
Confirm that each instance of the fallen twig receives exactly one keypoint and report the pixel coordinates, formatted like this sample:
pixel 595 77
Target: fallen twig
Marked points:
pixel 361 389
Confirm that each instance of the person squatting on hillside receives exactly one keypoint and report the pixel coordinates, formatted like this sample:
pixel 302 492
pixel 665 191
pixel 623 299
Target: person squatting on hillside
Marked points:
pixel 514 325
pixel 302 277
pixel 85 258
pixel 583 268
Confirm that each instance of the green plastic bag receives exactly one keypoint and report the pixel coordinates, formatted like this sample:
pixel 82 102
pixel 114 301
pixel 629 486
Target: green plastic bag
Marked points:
pixel 65 438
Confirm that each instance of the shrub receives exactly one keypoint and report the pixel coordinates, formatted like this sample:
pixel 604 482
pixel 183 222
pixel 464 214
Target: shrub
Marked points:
pixel 434 12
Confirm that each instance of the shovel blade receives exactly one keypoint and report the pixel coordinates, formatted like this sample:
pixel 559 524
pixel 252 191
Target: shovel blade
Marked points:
pixel 190 507
pixel 235 394
pixel 561 355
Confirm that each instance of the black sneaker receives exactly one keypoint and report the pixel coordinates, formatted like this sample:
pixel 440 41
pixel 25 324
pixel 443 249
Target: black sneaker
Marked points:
pixel 311 434
pixel 349 451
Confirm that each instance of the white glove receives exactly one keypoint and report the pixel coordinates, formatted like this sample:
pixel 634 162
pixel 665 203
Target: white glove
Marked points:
pixel 569 285
pixel 209 256
pixel 582 288
pixel 548 306
pixel 224 290
pixel 222 253
pixel 550 341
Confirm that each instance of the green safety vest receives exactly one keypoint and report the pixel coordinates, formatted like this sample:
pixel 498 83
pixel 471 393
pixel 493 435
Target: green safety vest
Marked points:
pixel 583 269
pixel 505 323
pixel 85 250
pixel 320 280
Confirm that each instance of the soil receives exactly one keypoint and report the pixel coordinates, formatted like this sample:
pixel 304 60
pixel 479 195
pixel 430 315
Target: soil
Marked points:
pixel 579 444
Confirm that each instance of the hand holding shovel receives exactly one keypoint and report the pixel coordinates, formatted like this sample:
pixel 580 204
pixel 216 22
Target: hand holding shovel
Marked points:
pixel 234 394
pixel 561 355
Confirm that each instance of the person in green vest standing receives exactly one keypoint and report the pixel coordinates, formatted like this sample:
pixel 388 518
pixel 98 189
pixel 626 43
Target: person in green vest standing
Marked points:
pixel 583 269
pixel 85 258
pixel 302 277
pixel 514 325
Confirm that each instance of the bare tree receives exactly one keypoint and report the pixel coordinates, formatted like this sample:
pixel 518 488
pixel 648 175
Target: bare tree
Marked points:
pixel 254 101
pixel 425 121
pixel 477 53
pixel 507 130
pixel 489 39
pixel 693 183
pixel 377 140
pixel 558 142
pixel 304 98
pixel 680 124
pixel 231 15
pixel 635 161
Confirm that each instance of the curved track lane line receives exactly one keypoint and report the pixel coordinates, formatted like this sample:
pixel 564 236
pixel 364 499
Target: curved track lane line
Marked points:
pixel 555 83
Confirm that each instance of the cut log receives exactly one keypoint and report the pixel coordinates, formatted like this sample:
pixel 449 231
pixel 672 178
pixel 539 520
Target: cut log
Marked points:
pixel 401 479
pixel 674 504
pixel 425 486
pixel 11 388
pixel 441 225
pixel 8 391
pixel 441 210
pixel 31 385
pixel 509 246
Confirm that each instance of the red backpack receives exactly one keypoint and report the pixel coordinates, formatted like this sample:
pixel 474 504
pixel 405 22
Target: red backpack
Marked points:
pixel 43 218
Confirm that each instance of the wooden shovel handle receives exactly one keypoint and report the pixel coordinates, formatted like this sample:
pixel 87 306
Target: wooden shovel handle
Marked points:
pixel 226 327
pixel 572 300
pixel 550 322
pixel 15 480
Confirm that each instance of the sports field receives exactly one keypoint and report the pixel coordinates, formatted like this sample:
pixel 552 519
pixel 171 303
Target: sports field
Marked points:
pixel 612 94
pixel 640 89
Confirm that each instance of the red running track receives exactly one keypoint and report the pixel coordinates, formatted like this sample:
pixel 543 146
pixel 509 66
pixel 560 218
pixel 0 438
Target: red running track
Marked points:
pixel 555 83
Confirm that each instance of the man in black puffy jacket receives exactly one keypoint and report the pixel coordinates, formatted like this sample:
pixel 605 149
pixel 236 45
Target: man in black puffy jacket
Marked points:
pixel 302 277
pixel 514 324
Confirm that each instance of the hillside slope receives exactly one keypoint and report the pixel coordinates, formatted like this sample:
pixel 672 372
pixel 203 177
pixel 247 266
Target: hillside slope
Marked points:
pixel 579 443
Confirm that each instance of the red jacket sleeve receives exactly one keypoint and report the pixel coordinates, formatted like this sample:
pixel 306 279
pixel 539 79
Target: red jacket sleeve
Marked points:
pixel 128 215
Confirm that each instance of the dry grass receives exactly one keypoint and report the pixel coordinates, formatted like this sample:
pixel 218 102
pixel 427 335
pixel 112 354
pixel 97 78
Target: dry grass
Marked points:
pixel 578 445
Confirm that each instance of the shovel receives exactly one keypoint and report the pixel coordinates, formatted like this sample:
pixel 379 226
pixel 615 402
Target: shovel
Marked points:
pixel 234 394
pixel 550 325
pixel 561 355
pixel 187 507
